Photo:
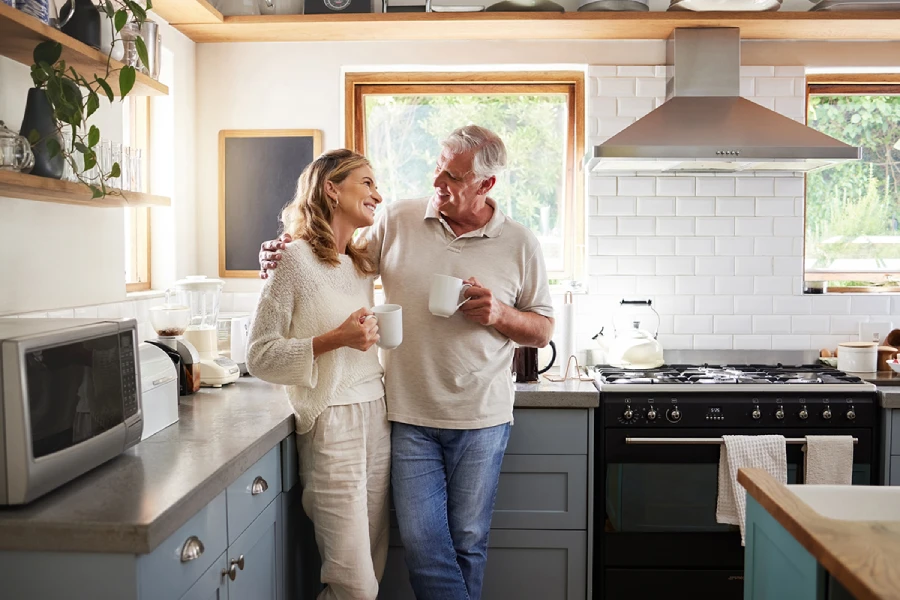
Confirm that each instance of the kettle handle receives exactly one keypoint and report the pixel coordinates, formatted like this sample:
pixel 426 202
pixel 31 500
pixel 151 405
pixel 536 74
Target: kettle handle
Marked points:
pixel 552 359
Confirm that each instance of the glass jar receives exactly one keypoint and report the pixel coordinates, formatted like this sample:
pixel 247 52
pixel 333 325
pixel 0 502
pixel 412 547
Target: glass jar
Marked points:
pixel 15 151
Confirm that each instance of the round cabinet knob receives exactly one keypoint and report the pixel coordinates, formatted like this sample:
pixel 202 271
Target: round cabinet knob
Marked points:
pixel 651 414
pixel 851 414
pixel 756 414
pixel 628 414
pixel 230 572
pixel 826 414
pixel 803 414
pixel 675 415
pixel 779 414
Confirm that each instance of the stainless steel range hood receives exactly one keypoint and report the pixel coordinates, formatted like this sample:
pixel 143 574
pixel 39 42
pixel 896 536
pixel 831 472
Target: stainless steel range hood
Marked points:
pixel 706 126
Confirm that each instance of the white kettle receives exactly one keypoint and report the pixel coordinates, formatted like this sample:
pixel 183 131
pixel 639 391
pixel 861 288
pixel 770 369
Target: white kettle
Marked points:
pixel 634 347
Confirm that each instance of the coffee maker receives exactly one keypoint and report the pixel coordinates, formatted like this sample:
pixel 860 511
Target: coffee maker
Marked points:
pixel 201 295
pixel 170 320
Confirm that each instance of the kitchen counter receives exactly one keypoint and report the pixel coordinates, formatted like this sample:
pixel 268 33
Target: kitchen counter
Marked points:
pixel 864 556
pixel 135 501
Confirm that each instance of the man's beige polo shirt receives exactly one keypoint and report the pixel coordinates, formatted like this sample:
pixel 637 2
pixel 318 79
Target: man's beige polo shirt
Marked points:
pixel 453 373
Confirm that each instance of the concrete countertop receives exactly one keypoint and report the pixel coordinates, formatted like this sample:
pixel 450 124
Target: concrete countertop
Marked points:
pixel 890 397
pixel 134 502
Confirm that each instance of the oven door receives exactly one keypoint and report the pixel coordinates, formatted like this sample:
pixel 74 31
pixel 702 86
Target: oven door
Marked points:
pixel 659 511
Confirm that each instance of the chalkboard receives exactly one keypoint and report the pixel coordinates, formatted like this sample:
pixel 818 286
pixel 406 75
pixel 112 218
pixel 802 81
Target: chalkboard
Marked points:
pixel 258 171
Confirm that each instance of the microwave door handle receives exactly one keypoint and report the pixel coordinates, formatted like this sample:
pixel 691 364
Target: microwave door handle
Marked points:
pixel 697 441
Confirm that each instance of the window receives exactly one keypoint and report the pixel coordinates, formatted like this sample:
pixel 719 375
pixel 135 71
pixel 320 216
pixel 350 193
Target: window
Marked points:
pixel 136 133
pixel 399 119
pixel 853 209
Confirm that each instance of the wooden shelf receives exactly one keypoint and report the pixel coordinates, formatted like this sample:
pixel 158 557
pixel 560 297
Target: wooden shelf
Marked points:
pixel 186 11
pixel 43 189
pixel 20 33
pixel 882 25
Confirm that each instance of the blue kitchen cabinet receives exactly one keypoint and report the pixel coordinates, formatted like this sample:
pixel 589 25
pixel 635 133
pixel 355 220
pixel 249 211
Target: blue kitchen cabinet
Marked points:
pixel 252 558
pixel 890 439
pixel 211 585
pixel 777 567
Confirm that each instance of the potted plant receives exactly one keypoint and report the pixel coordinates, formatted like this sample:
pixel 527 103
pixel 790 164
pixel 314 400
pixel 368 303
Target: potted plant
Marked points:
pixel 64 98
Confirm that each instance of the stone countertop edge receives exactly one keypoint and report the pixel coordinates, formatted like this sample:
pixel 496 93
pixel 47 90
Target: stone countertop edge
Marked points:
pixel 890 398
pixel 136 501
pixel 864 556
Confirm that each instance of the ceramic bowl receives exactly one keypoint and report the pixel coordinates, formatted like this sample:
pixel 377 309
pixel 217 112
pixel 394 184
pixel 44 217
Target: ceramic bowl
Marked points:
pixel 894 364
pixel 831 361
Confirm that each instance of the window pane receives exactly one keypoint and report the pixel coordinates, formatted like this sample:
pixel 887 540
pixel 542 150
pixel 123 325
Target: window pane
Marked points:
pixel 853 210
pixel 403 135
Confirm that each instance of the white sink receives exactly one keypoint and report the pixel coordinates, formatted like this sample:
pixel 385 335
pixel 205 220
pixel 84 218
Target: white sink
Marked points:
pixel 851 502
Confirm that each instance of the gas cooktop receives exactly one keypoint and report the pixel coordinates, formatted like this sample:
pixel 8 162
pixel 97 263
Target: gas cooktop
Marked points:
pixel 774 378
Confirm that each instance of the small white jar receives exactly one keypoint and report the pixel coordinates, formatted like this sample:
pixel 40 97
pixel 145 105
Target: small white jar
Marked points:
pixel 857 357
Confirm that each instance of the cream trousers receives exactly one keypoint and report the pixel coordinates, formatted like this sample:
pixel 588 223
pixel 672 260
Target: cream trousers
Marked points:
pixel 345 469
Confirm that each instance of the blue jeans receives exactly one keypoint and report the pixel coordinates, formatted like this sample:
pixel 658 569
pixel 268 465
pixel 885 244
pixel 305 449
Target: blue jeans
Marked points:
pixel 444 484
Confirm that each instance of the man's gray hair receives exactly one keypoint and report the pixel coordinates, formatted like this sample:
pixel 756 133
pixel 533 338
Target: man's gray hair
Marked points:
pixel 490 152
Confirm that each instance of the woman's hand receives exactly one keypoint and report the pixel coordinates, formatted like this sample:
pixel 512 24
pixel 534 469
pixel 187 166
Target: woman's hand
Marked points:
pixel 359 331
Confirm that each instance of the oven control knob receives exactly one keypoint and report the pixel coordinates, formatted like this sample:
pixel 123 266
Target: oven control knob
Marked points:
pixel 779 414
pixel 826 414
pixel 851 414
pixel 628 414
pixel 756 414
pixel 674 415
pixel 803 414
pixel 651 414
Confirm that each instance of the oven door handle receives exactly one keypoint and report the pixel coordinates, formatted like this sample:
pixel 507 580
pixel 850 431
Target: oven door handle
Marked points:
pixel 697 441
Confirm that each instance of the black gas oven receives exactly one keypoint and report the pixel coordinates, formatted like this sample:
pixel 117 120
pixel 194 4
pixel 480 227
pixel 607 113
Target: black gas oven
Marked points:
pixel 659 435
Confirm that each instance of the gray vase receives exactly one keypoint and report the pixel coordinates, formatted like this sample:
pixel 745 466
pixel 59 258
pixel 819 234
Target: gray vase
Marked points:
pixel 39 117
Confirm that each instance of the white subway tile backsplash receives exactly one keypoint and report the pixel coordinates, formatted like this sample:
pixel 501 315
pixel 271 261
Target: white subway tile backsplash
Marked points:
pixel 714 305
pixel 847 324
pixel 636 225
pixel 655 206
pixel 651 87
pixel 753 342
pixel 595 71
pixel 695 207
pixel 733 324
pixel 775 86
pixel 830 305
pixel 736 207
pixel 789 186
pixel 829 341
pixel 799 207
pixel 675 186
pixel 774 207
pixel 789 226
pixel 602 265
pixel 713 342
pixel 109 311
pixel 637 186
pixel 616 246
pixel 610 126
pixel 754 186
pixel 616 86
pixel 602 225
pixel 757 71
pixel 754 226
pixel 676 342
pixel 715 265
pixel 636 107
pixel 66 313
pixel 696 246
pixel 86 312
pixel 791 342
pixel 636 71
pixel 603 107
pixel 793 108
pixel 715 186
pixel 771 324
pixel 791 266
pixel 734 285
pixel 637 265
pixel 764 101
pixel 809 323
pixel 716 226
pixel 794 71
pixel 655 246
pixel 734 246
pixel 870 305
pixel 748 87
pixel 693 284
pixel 773 285
pixel 791 305
pixel 773 246
pixel 753 265
pixel 656 285
pixel 616 205
pixel 895 304
pixel 679 226
pixel 675 265
pixel 753 305
pixel 602 186
pixel 619 285
pixel 693 324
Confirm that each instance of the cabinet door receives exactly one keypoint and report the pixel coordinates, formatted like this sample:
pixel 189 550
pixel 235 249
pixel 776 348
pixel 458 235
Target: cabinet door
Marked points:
pixel 212 584
pixel 541 492
pixel 253 559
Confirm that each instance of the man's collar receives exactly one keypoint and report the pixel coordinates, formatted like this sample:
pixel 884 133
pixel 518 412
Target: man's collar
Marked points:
pixel 490 229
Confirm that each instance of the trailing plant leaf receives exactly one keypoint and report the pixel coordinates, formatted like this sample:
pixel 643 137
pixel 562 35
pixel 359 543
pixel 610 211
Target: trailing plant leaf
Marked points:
pixel 34 137
pixel 93 103
pixel 96 192
pixel 120 19
pixel 82 148
pixel 109 9
pixel 90 160
pixel 137 10
pixel 93 136
pixel 115 171
pixel 126 80
pixel 47 52
pixel 53 147
pixel 142 50
pixel 108 90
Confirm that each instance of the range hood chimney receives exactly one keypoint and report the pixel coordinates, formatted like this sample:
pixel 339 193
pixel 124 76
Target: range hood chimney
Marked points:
pixel 707 127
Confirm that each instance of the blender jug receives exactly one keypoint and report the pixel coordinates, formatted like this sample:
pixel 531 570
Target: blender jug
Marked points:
pixel 202 296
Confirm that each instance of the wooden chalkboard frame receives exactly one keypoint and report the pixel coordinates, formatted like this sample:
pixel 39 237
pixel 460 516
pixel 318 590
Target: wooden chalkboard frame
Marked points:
pixel 224 134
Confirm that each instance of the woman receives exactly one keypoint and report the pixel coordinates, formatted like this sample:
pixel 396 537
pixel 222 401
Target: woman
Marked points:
pixel 312 333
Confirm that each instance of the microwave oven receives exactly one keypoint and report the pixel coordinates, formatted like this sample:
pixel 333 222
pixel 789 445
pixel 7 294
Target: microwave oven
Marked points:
pixel 70 400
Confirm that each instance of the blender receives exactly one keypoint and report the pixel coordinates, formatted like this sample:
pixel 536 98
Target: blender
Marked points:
pixel 170 320
pixel 201 295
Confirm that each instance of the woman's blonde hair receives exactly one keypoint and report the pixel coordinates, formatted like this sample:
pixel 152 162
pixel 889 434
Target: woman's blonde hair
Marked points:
pixel 308 216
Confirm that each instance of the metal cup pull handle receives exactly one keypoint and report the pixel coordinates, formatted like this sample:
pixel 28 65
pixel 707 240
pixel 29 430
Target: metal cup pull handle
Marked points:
pixel 191 549
pixel 258 486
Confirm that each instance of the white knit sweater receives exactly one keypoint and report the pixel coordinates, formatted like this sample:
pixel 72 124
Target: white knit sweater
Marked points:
pixel 304 298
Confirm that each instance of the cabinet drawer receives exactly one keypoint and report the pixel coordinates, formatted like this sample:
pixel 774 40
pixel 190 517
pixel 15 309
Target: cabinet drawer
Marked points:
pixel 541 492
pixel 164 574
pixel 895 432
pixel 252 492
pixel 548 431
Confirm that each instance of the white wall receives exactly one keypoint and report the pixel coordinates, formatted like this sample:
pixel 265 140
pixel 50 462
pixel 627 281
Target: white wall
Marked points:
pixel 55 256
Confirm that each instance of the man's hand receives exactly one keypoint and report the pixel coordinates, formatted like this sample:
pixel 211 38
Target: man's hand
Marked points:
pixel 483 307
pixel 269 255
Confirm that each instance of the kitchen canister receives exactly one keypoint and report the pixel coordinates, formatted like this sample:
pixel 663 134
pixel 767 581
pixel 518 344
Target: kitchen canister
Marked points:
pixel 857 357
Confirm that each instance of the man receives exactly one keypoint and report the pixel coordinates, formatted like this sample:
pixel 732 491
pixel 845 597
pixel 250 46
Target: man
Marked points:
pixel 448 386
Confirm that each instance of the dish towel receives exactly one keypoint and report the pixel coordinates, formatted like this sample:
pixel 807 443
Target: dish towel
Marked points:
pixel 828 459
pixel 740 451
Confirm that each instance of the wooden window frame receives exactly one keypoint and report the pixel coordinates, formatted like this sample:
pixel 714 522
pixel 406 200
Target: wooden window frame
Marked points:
pixel 139 254
pixel 571 83
pixel 849 84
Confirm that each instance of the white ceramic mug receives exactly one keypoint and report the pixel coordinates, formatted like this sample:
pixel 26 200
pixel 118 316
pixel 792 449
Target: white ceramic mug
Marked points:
pixel 443 300
pixel 390 325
